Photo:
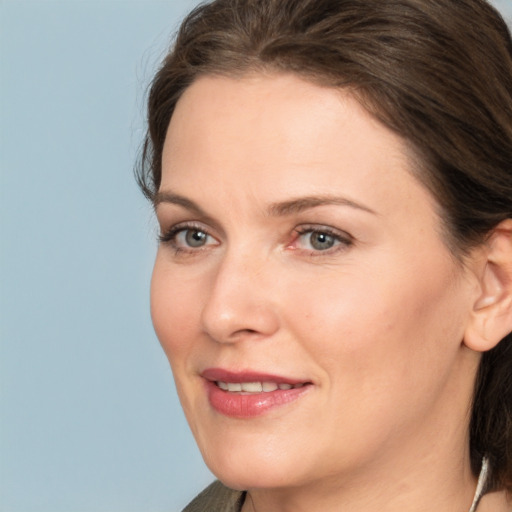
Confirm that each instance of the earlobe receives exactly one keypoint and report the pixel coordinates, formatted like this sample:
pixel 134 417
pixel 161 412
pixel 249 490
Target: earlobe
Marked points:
pixel 491 318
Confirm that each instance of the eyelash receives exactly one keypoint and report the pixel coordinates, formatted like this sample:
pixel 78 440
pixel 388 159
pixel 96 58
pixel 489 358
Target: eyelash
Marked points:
pixel 342 239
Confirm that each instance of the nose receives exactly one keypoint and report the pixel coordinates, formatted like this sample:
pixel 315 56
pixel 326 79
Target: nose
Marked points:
pixel 240 304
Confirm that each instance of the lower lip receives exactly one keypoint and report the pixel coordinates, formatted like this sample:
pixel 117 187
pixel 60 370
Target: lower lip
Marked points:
pixel 250 405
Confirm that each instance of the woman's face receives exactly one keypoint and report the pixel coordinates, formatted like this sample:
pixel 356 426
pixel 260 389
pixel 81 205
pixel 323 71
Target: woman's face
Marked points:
pixel 311 312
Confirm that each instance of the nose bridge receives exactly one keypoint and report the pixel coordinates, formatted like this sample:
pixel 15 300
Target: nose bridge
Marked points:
pixel 239 303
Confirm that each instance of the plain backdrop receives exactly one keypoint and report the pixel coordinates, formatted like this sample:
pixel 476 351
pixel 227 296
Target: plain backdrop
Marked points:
pixel 89 419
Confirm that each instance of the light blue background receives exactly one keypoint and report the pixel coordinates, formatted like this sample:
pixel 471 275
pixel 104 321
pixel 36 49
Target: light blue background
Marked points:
pixel 89 417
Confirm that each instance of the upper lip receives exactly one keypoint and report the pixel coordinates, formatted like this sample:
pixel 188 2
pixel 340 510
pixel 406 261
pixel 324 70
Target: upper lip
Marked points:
pixel 223 375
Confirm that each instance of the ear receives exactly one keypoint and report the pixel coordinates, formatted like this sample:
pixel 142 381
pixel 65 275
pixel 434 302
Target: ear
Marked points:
pixel 491 318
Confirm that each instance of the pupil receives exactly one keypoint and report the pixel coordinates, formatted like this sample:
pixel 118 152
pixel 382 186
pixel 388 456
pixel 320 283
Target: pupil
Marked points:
pixel 195 238
pixel 321 241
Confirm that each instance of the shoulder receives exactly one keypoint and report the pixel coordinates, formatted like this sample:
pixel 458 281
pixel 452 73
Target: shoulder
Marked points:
pixel 216 498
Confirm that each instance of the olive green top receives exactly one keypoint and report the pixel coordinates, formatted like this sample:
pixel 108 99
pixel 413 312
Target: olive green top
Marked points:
pixel 217 498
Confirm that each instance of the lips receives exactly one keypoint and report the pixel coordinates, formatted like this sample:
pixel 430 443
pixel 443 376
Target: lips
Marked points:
pixel 250 394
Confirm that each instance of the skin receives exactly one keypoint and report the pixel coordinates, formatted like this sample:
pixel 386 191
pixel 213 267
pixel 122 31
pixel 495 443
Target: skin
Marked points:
pixel 375 323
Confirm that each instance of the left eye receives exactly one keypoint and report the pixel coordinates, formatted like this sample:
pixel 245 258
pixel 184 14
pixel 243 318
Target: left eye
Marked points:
pixel 320 240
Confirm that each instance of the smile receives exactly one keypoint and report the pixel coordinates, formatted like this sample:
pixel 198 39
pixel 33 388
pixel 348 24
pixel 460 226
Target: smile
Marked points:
pixel 250 394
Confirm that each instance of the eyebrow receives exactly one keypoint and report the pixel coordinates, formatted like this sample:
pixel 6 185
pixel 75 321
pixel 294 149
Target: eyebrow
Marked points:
pixel 305 203
pixel 169 197
pixel 277 209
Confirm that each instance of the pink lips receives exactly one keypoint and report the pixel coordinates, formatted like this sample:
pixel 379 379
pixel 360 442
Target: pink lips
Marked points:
pixel 240 404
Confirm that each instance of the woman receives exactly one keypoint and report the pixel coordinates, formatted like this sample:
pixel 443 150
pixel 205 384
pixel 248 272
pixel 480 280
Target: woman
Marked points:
pixel 333 284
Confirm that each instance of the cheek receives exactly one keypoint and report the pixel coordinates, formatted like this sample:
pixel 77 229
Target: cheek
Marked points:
pixel 381 328
pixel 385 347
pixel 174 311
pixel 339 313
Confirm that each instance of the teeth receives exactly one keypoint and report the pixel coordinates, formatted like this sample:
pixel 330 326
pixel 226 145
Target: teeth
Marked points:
pixel 252 387
pixel 255 387
pixel 269 386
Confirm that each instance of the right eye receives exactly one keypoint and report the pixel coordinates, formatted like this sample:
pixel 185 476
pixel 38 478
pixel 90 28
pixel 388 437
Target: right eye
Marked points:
pixel 191 238
pixel 187 238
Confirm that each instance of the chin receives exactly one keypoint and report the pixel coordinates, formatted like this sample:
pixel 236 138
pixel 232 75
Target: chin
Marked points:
pixel 250 469
pixel 257 479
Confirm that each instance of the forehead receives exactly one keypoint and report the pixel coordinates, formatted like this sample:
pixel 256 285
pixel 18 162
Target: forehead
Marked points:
pixel 274 135
pixel 279 110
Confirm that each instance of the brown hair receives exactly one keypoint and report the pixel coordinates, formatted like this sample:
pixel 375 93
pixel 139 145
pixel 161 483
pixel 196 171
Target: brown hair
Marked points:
pixel 438 72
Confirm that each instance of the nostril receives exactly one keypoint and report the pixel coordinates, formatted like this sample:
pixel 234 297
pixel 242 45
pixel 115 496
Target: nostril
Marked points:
pixel 246 331
pixel 242 334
